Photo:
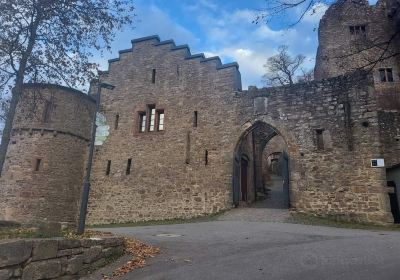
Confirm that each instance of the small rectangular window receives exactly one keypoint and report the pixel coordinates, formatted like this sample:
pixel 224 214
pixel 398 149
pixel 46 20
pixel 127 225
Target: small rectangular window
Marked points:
pixel 206 157
pixel 153 76
pixel 142 121
pixel 160 120
pixel 152 112
pixel 389 74
pixel 320 139
pixel 351 29
pixel 38 164
pixel 128 166
pixel 108 169
pixel 382 75
pixel 116 122
pixel 195 119
pixel 357 30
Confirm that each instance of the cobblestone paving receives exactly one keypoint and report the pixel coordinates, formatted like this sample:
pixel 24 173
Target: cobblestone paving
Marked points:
pixel 271 209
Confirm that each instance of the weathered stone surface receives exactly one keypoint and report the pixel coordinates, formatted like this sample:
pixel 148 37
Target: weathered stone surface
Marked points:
pixel 69 243
pixel 69 252
pixel 42 270
pixel 17 272
pixel 113 241
pixel 6 274
pixel 92 254
pixel 75 264
pixel 113 252
pixel 14 252
pixel 61 141
pixel 44 249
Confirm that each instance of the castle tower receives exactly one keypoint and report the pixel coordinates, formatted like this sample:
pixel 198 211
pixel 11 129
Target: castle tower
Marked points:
pixel 44 166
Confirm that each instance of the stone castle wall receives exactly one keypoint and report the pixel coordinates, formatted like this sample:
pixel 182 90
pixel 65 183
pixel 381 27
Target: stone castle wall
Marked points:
pixel 342 51
pixel 43 172
pixel 182 171
pixel 337 180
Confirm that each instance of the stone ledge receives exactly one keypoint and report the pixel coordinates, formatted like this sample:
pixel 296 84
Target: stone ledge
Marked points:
pixel 55 258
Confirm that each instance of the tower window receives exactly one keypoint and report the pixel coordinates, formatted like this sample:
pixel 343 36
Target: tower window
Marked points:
pixel 195 119
pixel 142 121
pixel 206 157
pixel 357 30
pixel 38 164
pixel 46 111
pixel 320 139
pixel 152 111
pixel 129 166
pixel 386 75
pixel 116 122
pixel 153 76
pixel 108 169
pixel 160 120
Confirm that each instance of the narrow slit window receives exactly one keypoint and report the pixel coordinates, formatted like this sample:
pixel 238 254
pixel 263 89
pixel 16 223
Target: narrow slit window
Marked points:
pixel 153 76
pixel 389 74
pixel 320 139
pixel 38 164
pixel 108 169
pixel 195 115
pixel 152 111
pixel 160 120
pixel 142 122
pixel 46 111
pixel 206 157
pixel 116 122
pixel 129 166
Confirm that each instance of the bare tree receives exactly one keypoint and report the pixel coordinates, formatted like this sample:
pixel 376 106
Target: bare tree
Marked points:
pixel 383 48
pixel 282 69
pixel 306 76
pixel 51 41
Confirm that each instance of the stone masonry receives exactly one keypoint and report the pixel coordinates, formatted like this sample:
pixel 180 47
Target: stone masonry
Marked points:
pixel 181 128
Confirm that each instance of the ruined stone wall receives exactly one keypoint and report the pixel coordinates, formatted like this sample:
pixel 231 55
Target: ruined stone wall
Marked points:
pixel 170 175
pixel 340 51
pixel 389 132
pixel 57 134
pixel 338 179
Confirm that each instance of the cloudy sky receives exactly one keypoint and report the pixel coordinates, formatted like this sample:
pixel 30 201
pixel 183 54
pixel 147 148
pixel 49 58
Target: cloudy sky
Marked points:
pixel 222 28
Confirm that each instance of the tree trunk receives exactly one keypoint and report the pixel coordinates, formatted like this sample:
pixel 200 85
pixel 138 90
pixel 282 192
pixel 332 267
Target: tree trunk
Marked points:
pixel 16 93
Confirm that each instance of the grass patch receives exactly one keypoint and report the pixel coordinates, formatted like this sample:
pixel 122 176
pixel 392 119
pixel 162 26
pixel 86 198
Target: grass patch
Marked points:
pixel 18 233
pixel 307 219
pixel 201 219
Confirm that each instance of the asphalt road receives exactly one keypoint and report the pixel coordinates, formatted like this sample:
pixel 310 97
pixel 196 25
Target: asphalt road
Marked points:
pixel 265 250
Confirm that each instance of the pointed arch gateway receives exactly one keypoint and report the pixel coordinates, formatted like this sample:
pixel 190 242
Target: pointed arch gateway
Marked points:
pixel 254 179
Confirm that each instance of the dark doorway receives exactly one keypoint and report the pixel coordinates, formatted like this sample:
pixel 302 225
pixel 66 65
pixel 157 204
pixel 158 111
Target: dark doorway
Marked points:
pixel 243 179
pixel 260 174
pixel 394 204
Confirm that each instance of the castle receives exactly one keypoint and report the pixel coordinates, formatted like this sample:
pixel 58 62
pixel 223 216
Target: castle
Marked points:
pixel 185 140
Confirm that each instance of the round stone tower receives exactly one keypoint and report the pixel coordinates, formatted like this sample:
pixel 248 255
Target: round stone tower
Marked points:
pixel 45 163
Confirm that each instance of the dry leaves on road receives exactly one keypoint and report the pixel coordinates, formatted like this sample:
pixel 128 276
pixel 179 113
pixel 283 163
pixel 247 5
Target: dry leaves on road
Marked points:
pixel 139 251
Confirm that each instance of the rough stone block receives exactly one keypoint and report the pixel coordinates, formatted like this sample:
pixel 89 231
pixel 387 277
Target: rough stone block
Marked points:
pixel 6 274
pixel 113 241
pixel 92 254
pixel 44 249
pixel 42 270
pixel 113 251
pixel 69 252
pixel 68 243
pixel 75 264
pixel 14 252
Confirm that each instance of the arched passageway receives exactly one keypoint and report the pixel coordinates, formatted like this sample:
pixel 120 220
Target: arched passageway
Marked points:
pixel 261 168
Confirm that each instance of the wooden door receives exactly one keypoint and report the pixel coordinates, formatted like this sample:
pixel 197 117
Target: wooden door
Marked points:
pixel 243 179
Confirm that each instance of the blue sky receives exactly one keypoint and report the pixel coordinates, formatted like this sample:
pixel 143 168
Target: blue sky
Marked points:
pixel 222 28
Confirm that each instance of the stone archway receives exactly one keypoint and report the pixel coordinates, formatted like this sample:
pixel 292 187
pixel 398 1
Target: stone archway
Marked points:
pixel 252 145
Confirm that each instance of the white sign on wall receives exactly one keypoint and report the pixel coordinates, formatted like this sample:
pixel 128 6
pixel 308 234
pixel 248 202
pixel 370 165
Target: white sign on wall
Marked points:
pixel 379 162
pixel 102 131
